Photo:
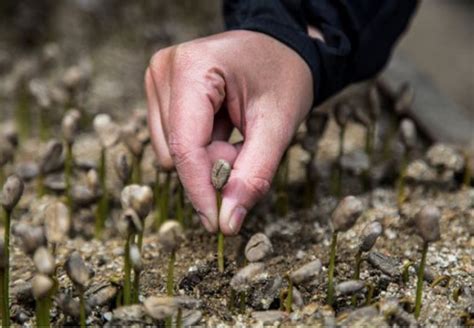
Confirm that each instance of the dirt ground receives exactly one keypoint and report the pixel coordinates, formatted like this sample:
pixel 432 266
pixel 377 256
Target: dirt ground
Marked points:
pixel 116 38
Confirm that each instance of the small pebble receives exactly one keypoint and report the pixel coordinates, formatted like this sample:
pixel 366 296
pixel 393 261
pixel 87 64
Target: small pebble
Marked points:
pixel 269 317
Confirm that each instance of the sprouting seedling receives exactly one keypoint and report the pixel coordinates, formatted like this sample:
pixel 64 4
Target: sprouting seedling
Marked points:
pixel 123 168
pixel 39 91
pixel 43 284
pixel 408 138
pixel 79 274
pixel 135 136
pixel 363 117
pixel 137 266
pixel 315 127
pixel 342 114
pixel 219 176
pixel 374 113
pixel 140 199
pixel 70 129
pixel 133 226
pixel 427 223
pixel 109 134
pixel 42 287
pixel 170 237
pixel 162 194
pixel 3 265
pixel 50 160
pixel 343 218
pixel 57 223
pixel 370 234
pixel 6 155
pixel 11 194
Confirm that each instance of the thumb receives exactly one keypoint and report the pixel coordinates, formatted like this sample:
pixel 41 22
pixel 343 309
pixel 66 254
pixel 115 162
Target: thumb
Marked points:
pixel 253 171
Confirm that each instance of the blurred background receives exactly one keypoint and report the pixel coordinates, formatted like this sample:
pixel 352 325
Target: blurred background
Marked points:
pixel 48 48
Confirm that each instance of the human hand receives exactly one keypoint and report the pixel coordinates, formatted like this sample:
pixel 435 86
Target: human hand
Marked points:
pixel 200 90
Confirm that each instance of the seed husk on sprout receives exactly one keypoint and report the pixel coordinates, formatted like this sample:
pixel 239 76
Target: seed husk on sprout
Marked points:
pixel 135 136
pixel 44 261
pixel 219 176
pixel 50 160
pixel 170 237
pixel 123 168
pixel 42 287
pixel 408 138
pixel 343 218
pixel 79 274
pixel 11 194
pixel 427 223
pixel 342 114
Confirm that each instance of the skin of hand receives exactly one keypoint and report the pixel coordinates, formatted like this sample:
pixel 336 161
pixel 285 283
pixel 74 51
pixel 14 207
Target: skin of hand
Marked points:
pixel 200 90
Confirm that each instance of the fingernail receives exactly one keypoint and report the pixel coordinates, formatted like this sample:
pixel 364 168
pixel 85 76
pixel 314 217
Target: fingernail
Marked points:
pixel 237 218
pixel 206 222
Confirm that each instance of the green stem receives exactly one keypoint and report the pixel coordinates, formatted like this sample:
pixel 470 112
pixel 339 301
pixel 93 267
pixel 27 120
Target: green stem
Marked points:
pixel 43 124
pixel 22 113
pixel 2 175
pixel 82 308
pixel 164 200
pixel 401 181
pixel 311 182
pixel 281 185
pixel 128 272
pixel 242 301
pixel 467 173
pixel 406 272
pixel 179 318
pixel 136 287
pixel 137 169
pixel 40 185
pixel 170 278
pixel 68 168
pixel 358 260
pixel 332 264
pixel 2 295
pixel 6 272
pixel 180 204
pixel 220 237
pixel 342 134
pixel 289 296
pixel 419 284
pixel 370 293
pixel 157 194
pixel 103 206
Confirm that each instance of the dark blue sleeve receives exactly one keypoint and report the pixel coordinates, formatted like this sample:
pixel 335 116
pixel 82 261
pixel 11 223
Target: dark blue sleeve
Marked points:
pixel 359 34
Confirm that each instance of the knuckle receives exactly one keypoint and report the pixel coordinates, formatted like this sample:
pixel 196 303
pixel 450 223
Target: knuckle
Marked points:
pixel 258 185
pixel 158 59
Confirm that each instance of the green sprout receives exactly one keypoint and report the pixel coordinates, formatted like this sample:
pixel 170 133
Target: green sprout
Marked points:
pixel 49 161
pixel 427 223
pixel 343 218
pixel 79 274
pixel 315 127
pixel 342 114
pixel 370 234
pixel 408 138
pixel 43 285
pixel 70 129
pixel 11 194
pixel 170 237
pixel 109 134
pixel 135 257
pixel 219 176
pixel 282 184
